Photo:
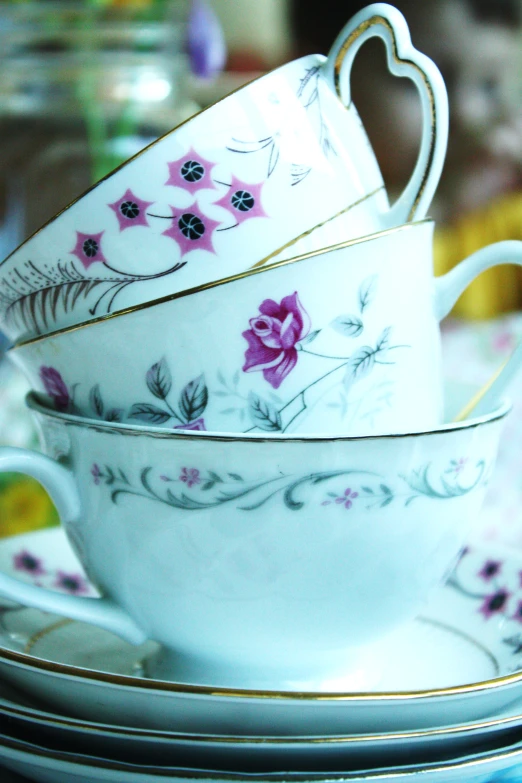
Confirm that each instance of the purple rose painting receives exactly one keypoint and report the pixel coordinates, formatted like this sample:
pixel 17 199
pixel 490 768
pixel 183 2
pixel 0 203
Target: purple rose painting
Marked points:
pixel 55 387
pixel 273 336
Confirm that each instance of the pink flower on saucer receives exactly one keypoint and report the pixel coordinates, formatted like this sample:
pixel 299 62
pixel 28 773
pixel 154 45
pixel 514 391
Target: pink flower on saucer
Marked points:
pixel 490 569
pixel 495 603
pixel 29 563
pixel 74 584
pixel 273 336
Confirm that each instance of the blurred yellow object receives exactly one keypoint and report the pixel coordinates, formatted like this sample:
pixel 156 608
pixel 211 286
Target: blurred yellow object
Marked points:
pixel 499 289
pixel 24 506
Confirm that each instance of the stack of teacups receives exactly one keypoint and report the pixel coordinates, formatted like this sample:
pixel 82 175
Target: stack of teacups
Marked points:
pixel 245 278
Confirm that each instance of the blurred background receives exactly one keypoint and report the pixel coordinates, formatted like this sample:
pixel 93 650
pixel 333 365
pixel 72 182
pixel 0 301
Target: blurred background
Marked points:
pixel 86 84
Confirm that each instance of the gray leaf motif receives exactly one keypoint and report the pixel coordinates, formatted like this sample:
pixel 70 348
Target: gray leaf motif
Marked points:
pixel 361 363
pixel 384 339
pixel 159 379
pixel 264 414
pixel 310 337
pixel 142 411
pixel 367 291
pixel 347 325
pixel 95 400
pixel 193 399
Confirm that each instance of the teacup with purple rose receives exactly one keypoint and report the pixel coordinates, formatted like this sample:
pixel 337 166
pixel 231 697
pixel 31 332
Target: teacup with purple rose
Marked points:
pixel 269 165
pixel 344 341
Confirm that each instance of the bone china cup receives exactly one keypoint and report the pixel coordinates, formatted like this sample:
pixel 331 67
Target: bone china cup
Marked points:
pixel 257 562
pixel 345 341
pixel 228 188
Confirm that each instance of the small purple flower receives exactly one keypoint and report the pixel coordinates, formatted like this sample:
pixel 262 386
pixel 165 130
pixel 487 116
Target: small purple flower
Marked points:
pixel 55 387
pixel 190 476
pixel 517 615
pixel 495 603
pixel 71 583
pixel 196 425
pixel 490 569
pixel 457 465
pixel 25 561
pixel 96 473
pixel 348 498
pixel 273 336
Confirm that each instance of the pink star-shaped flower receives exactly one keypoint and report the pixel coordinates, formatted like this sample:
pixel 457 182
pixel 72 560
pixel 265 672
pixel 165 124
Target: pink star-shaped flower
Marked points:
pixel 243 200
pixel 191 230
pixel 131 210
pixel 190 172
pixel 88 248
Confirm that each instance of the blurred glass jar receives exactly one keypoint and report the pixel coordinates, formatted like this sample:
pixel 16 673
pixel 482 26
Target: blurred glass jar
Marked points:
pixel 83 86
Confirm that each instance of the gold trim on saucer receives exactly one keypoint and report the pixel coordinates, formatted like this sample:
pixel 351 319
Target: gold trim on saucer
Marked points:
pixel 35 637
pixel 127 680
pixel 406 773
pixel 362 28
pixel 222 281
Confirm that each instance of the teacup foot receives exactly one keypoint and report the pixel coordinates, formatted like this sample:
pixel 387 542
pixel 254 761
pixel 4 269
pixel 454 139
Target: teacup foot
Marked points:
pixel 359 670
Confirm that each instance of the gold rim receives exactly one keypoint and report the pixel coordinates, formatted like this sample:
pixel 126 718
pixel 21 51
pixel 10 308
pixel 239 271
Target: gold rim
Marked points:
pixel 75 723
pixel 365 25
pixel 136 430
pixel 86 762
pixel 227 739
pixel 141 683
pixel 223 281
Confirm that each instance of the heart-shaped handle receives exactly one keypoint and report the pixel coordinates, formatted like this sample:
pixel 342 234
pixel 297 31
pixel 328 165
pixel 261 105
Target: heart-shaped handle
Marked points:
pixel 386 22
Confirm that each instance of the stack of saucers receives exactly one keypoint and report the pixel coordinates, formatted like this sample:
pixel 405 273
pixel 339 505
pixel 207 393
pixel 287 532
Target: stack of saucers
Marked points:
pixel 234 353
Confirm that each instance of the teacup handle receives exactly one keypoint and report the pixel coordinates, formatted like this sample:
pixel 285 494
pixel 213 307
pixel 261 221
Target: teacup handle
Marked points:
pixel 61 486
pixel 450 286
pixel 386 22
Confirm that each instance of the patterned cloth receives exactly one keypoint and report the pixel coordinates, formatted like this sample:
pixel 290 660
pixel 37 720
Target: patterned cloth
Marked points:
pixel 472 352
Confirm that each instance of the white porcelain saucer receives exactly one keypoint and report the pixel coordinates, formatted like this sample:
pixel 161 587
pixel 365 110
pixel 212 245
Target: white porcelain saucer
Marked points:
pixel 46 765
pixel 262 754
pixel 462 661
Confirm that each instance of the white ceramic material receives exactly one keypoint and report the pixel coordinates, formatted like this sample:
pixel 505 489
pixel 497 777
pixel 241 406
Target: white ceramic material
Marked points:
pixel 255 562
pixel 456 663
pixel 229 188
pixel 258 753
pixel 50 765
pixel 344 342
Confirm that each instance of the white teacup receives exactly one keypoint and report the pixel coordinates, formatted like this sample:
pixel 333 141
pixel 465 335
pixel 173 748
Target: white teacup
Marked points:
pixel 345 341
pixel 232 186
pixel 257 562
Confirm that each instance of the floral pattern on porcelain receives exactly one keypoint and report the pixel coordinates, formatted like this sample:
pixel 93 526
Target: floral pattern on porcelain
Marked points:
pixel 34 567
pixel 279 336
pixel 210 488
pixel 273 336
pixel 495 586
pixel 36 293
